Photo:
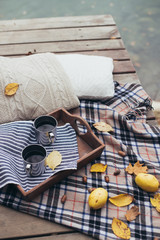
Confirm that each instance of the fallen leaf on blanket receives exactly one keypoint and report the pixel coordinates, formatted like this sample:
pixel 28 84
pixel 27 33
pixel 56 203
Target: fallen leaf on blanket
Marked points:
pixel 98 167
pixel 132 213
pixel 103 127
pixel 53 160
pixel 137 168
pixel 120 229
pixel 130 169
pixel 121 200
pixel 156 202
pixel 11 89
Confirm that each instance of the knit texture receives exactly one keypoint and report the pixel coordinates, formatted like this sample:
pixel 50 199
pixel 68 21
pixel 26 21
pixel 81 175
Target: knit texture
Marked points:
pixel 43 87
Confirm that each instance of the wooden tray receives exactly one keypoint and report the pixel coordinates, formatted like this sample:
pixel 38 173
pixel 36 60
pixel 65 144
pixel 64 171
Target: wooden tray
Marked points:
pixel 89 147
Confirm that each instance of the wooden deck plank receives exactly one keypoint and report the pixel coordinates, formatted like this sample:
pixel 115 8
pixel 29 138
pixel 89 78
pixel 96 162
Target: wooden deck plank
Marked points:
pixel 65 46
pixel 58 22
pixel 123 67
pixel 126 78
pixel 116 55
pixel 53 35
pixel 74 236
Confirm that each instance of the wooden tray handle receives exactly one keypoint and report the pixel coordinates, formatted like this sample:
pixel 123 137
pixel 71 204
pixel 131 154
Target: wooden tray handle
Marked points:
pixel 64 116
pixel 74 120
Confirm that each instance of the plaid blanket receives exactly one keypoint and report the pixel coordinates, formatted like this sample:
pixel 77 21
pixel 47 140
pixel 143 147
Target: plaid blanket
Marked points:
pixel 131 134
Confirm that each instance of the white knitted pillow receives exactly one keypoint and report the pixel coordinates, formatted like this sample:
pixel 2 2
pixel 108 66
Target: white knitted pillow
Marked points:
pixel 43 87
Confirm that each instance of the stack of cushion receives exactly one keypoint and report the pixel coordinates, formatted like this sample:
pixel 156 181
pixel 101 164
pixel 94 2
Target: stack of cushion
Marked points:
pixel 48 81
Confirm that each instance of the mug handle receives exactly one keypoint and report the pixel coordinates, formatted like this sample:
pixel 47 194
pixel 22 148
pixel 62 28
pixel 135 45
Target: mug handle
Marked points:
pixel 51 137
pixel 29 169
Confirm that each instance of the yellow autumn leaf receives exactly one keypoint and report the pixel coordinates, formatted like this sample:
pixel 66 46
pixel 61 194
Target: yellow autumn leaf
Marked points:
pixel 103 127
pixel 11 89
pixel 98 167
pixel 130 169
pixel 53 160
pixel 121 200
pixel 120 229
pixel 156 201
pixel 137 168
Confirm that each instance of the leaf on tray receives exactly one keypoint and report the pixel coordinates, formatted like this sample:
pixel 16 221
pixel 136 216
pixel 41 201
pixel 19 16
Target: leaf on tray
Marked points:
pixel 156 201
pixel 120 229
pixel 11 89
pixel 137 168
pixel 132 213
pixel 98 167
pixel 121 200
pixel 103 127
pixel 53 160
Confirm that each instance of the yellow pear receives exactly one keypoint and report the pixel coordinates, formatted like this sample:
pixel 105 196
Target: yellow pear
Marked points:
pixel 147 182
pixel 98 198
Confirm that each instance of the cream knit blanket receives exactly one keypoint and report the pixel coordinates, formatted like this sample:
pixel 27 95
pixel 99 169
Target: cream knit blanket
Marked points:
pixel 43 87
